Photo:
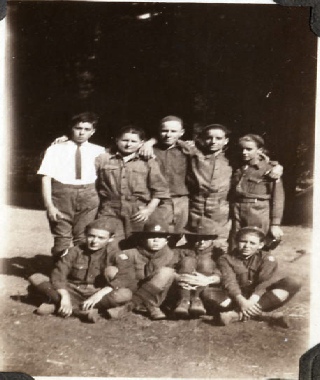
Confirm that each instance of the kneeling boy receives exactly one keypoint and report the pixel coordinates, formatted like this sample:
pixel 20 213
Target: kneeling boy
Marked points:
pixel 251 282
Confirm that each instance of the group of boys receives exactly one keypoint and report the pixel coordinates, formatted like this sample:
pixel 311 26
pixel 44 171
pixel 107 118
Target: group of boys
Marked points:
pixel 151 194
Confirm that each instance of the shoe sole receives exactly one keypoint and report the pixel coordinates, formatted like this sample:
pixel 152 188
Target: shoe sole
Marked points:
pixel 181 314
pixel 196 313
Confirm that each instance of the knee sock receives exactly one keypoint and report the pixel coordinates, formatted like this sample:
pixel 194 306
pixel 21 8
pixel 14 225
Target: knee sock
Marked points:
pixel 269 301
pixel 47 289
pixel 147 294
pixel 107 302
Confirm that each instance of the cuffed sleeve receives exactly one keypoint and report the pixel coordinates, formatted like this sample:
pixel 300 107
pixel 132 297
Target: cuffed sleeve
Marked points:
pixel 228 277
pixel 277 202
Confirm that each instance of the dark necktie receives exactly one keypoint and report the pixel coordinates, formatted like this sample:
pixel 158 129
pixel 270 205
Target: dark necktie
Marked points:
pixel 78 163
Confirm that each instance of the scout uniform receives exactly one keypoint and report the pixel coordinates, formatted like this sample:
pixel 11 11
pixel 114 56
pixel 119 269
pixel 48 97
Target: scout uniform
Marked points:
pixel 257 200
pixel 257 274
pixel 173 166
pixel 80 271
pixel 124 184
pixel 191 259
pixel 148 274
pixel 76 198
pixel 209 181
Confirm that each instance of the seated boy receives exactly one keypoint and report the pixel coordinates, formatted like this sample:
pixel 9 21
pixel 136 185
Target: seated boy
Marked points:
pixel 252 286
pixel 146 270
pixel 77 283
pixel 198 255
pixel 68 183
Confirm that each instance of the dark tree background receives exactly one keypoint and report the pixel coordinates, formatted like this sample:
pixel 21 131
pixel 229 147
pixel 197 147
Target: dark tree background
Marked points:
pixel 251 67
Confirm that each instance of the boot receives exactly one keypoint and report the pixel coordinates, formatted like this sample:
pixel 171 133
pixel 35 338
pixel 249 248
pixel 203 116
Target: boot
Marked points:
pixel 182 310
pixel 46 309
pixel 91 316
pixel 155 313
pixel 229 317
pixel 197 309
pixel 119 311
pixel 276 318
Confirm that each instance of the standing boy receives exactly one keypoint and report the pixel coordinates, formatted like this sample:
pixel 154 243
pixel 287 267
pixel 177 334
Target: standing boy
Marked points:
pixel 208 181
pixel 77 283
pixel 257 199
pixel 131 188
pixel 68 183
pixel 251 283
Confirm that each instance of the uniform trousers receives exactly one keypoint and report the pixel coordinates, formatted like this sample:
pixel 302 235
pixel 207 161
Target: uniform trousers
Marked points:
pixel 79 204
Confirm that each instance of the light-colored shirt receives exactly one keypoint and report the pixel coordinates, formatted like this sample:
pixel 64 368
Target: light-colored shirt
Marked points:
pixel 59 162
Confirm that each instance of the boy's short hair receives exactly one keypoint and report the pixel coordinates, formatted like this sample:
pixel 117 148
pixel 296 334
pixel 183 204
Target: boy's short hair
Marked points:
pixel 109 224
pixel 131 129
pixel 257 139
pixel 84 117
pixel 171 118
pixel 251 230
pixel 207 128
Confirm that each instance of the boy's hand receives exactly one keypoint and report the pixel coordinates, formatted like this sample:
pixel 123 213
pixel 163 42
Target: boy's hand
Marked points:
pixel 54 214
pixel 146 150
pixel 95 298
pixel 276 232
pixel 195 279
pixel 249 307
pixel 65 309
pixel 60 140
pixel 276 172
pixel 142 215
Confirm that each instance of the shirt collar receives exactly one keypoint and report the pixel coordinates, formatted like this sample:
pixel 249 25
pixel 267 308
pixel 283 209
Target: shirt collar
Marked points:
pixel 71 142
pixel 130 157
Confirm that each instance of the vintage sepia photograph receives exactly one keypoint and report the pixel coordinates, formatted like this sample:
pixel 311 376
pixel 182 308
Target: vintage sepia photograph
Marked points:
pixel 160 181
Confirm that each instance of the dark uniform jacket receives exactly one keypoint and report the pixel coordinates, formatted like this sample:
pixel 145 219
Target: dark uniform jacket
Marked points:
pixel 252 275
pixel 173 166
pixel 209 175
pixel 81 266
pixel 134 179
pixel 138 264
pixel 252 181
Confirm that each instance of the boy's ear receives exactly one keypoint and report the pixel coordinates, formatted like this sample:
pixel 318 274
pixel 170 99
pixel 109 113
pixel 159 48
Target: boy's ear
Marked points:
pixel 226 141
pixel 182 132
pixel 261 245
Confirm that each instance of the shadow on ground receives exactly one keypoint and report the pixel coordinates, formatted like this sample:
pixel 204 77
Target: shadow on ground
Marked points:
pixel 25 266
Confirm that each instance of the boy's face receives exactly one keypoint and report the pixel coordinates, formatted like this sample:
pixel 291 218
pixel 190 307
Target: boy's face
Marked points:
pixel 82 132
pixel 249 244
pixel 215 140
pixel 203 244
pixel 170 132
pixel 129 143
pixel 249 151
pixel 155 243
pixel 97 239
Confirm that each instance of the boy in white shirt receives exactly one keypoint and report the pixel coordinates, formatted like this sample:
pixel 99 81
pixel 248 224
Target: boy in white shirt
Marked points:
pixel 68 183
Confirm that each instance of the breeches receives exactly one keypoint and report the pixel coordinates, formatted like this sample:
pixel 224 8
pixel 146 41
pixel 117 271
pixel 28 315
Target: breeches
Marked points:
pixel 202 264
pixel 124 211
pixel 79 204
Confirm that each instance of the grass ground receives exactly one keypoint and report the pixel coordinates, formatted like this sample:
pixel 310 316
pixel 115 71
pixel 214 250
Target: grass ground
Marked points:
pixel 136 346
